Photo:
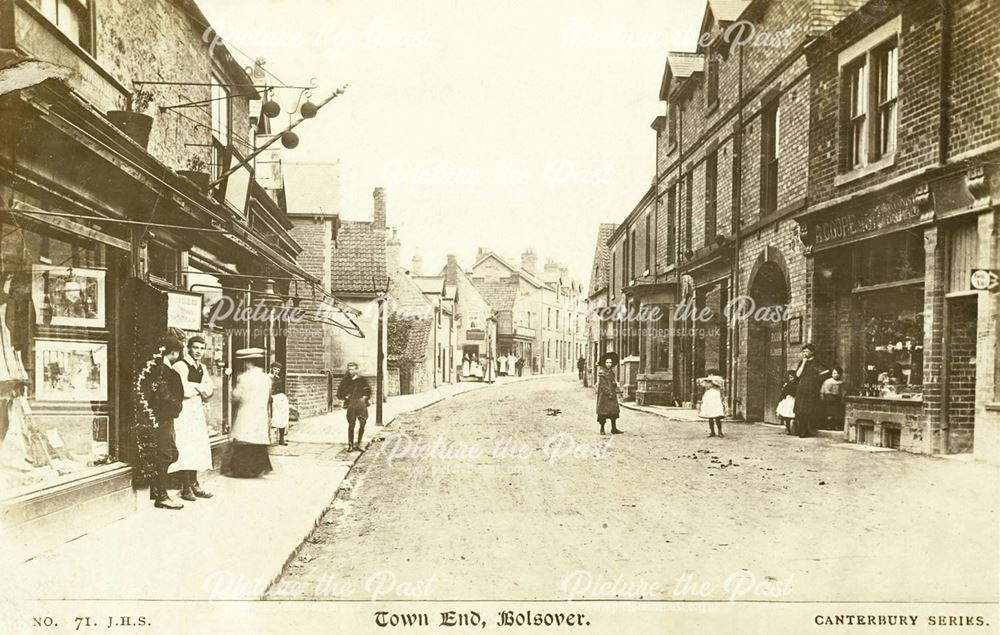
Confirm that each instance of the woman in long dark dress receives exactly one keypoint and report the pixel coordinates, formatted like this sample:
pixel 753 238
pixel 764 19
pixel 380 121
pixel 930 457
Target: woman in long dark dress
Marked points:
pixel 607 393
pixel 250 434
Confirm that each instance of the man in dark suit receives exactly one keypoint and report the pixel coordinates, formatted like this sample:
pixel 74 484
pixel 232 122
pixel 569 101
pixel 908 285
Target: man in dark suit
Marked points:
pixel 808 407
pixel 165 395
pixel 355 393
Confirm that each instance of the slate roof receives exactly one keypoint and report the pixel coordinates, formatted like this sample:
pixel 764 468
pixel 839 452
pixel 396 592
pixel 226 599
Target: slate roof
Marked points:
pixel 358 263
pixel 602 261
pixel 685 64
pixel 499 295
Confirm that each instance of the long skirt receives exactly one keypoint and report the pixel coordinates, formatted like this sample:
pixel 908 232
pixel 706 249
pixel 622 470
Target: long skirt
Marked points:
pixel 247 460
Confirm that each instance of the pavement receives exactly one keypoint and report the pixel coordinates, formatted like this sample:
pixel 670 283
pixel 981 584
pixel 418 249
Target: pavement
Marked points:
pixel 231 546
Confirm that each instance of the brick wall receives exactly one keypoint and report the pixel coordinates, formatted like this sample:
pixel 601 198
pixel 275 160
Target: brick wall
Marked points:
pixel 961 373
pixel 974 100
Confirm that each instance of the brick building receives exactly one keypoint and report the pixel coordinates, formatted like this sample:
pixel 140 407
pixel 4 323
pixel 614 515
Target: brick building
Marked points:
pixel 598 298
pixel 350 257
pixel 903 186
pixel 473 337
pixel 112 232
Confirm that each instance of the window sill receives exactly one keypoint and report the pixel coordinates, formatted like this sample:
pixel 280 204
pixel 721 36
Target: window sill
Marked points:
pixel 866 170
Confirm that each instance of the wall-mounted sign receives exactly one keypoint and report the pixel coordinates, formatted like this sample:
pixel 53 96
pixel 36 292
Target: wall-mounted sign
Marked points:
pixel 184 310
pixel 894 211
pixel 984 280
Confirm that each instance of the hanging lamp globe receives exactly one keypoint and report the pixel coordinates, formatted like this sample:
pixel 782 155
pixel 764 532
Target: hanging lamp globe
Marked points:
pixel 289 139
pixel 308 110
pixel 271 109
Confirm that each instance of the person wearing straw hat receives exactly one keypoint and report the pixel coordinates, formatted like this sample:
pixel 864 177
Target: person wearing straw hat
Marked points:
pixel 607 392
pixel 250 433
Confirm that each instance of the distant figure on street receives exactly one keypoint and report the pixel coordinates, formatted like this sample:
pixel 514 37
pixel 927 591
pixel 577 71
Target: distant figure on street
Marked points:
pixel 832 395
pixel 502 365
pixel 190 427
pixel 355 393
pixel 279 403
pixel 251 433
pixel 512 364
pixel 607 393
pixel 786 407
pixel 712 405
pixel 581 367
pixel 808 406
pixel 520 366
pixel 466 365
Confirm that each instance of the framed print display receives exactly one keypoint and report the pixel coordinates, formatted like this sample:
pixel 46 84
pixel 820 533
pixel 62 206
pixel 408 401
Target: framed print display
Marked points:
pixel 67 296
pixel 71 371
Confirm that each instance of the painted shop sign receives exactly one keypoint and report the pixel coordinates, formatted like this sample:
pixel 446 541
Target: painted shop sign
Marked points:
pixel 885 214
pixel 184 310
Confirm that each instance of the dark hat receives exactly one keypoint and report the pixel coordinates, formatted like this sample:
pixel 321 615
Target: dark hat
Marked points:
pixel 809 347
pixel 613 356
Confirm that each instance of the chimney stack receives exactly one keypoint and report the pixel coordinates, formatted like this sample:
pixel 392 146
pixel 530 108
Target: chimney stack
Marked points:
pixel 564 275
pixel 392 247
pixel 418 265
pixel 379 218
pixel 451 271
pixel 529 261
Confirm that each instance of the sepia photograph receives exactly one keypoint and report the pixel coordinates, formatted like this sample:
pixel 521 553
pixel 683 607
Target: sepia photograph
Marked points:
pixel 461 316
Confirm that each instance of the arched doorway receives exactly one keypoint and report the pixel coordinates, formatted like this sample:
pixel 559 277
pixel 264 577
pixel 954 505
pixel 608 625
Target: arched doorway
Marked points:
pixel 766 343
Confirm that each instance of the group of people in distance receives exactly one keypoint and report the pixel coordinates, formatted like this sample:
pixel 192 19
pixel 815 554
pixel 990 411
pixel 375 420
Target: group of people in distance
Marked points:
pixel 812 394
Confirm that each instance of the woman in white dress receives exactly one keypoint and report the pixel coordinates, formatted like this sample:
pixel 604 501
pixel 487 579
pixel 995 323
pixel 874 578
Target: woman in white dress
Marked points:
pixel 190 428
pixel 250 434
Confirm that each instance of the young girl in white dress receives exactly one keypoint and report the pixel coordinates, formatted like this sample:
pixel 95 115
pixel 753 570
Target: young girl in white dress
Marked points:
pixel 712 407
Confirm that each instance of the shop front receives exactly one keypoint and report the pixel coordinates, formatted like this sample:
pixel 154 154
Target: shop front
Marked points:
pixel 655 381
pixel 102 250
pixel 892 307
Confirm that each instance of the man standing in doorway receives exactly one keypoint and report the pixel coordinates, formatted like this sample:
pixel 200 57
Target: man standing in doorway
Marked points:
pixel 190 427
pixel 355 393
pixel 808 406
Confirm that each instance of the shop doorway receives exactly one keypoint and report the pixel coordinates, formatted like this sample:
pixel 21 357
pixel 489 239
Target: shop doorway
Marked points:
pixel 766 345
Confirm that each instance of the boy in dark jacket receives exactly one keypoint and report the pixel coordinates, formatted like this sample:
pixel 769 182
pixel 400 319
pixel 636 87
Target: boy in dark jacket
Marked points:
pixel 355 393
pixel 164 392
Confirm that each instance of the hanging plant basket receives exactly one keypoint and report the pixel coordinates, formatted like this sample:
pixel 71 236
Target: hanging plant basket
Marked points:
pixel 135 124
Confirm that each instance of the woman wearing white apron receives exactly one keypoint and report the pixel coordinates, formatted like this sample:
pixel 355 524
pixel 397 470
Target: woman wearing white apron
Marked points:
pixel 191 428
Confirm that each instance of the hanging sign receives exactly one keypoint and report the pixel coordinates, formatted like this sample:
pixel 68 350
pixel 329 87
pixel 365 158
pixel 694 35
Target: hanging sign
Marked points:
pixel 984 280
pixel 184 310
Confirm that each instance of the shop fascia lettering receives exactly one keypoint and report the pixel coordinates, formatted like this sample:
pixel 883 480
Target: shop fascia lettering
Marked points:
pixel 883 215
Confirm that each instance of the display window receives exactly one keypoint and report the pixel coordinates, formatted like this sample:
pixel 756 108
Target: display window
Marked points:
pixel 216 349
pixel 56 379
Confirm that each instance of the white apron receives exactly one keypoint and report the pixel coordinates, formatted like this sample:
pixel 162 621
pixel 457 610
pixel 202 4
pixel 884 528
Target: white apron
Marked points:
pixel 190 427
pixel 279 411
pixel 251 394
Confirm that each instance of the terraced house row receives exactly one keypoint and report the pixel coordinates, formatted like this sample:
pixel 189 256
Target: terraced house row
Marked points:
pixel 836 162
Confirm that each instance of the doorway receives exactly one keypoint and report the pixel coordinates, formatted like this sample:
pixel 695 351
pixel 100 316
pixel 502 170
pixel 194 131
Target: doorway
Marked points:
pixel 766 346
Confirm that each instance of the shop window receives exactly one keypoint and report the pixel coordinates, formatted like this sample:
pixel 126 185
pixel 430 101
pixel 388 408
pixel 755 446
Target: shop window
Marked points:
pixel 72 18
pixel 56 382
pixel 661 340
pixel 649 235
pixel 892 356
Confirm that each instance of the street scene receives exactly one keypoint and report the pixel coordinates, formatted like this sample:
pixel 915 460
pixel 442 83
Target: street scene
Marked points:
pixel 374 316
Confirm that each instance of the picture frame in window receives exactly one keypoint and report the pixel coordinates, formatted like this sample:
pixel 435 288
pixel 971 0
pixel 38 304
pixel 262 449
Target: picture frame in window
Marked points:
pixel 68 296
pixel 71 370
pixel 795 330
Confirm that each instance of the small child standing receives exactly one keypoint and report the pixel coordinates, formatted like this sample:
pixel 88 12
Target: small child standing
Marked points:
pixel 832 395
pixel 712 407
pixel 786 407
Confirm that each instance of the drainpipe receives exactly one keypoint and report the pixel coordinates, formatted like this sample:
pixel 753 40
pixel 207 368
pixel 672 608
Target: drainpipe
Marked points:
pixel 734 282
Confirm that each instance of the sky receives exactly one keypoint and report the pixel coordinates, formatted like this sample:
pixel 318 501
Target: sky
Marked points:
pixel 501 125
